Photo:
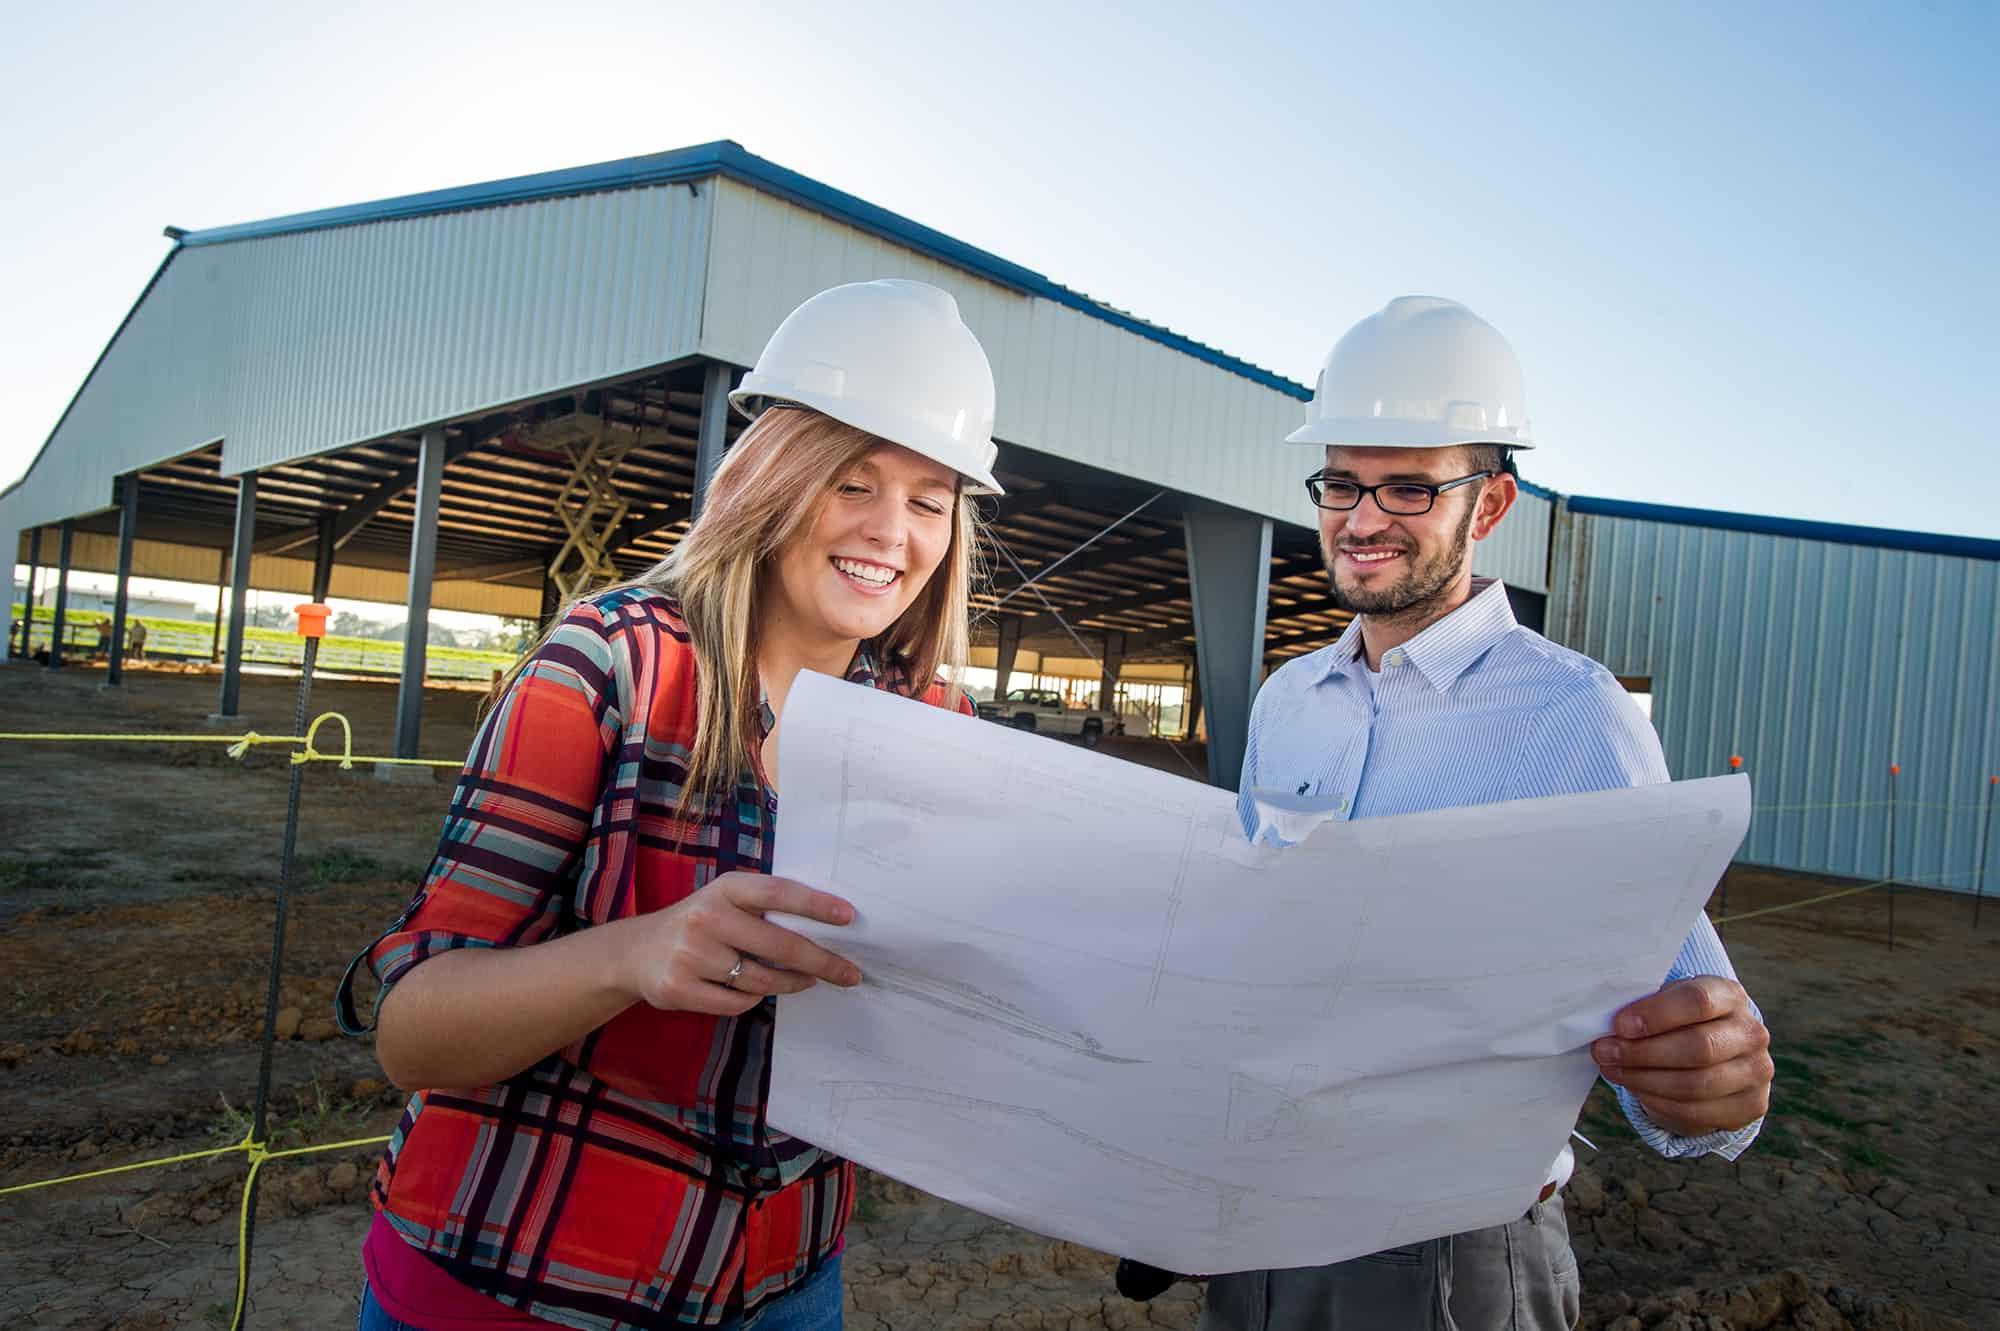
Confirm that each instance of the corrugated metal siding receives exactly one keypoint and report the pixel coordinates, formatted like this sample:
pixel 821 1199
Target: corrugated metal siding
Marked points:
pixel 1821 664
pixel 1517 552
pixel 292 345
pixel 1070 385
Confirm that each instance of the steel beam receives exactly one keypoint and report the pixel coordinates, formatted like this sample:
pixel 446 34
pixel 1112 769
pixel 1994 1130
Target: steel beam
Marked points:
pixel 423 566
pixel 323 550
pixel 128 526
pixel 241 551
pixel 1114 659
pixel 713 437
pixel 62 594
pixel 221 595
pixel 1008 651
pixel 1229 573
pixel 28 610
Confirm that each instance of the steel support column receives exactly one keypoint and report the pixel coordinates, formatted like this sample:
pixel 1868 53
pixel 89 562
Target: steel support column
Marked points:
pixel 1229 577
pixel 1005 656
pixel 28 610
pixel 713 436
pixel 221 597
pixel 423 565
pixel 62 594
pixel 128 526
pixel 325 543
pixel 239 596
pixel 1114 659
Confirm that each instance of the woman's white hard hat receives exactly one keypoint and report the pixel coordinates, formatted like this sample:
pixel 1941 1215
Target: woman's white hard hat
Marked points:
pixel 1420 373
pixel 891 357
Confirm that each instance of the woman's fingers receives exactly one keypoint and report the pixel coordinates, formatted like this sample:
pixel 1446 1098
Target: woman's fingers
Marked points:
pixel 778 946
pixel 759 979
pixel 758 893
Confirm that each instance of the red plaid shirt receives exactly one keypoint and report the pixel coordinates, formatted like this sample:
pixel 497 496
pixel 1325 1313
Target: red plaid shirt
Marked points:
pixel 628 1180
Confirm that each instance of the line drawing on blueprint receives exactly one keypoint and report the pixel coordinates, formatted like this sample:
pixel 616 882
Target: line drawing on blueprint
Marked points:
pixel 1228 1197
pixel 964 1000
pixel 1261 1112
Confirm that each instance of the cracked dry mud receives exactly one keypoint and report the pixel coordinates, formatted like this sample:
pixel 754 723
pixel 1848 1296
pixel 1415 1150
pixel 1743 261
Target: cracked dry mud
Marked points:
pixel 135 893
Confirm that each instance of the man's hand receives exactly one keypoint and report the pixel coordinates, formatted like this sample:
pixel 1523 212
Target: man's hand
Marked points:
pixel 1694 1056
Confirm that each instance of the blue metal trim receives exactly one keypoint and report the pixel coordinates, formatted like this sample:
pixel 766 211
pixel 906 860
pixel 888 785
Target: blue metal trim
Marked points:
pixel 1538 491
pixel 728 158
pixel 1919 542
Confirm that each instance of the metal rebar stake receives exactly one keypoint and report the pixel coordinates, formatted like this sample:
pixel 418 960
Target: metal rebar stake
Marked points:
pixel 258 1112
pixel 1895 771
pixel 1985 842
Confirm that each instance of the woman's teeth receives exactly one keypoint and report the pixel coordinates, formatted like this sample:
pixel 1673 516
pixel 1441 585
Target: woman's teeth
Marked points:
pixel 873 574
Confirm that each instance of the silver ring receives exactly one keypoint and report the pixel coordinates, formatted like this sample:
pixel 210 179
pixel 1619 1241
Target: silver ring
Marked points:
pixel 735 972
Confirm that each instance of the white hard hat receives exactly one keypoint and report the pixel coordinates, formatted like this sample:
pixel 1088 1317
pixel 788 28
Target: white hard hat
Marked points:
pixel 891 357
pixel 1421 373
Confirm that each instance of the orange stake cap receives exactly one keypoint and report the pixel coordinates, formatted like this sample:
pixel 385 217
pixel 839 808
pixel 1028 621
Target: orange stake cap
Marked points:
pixel 1735 760
pixel 1895 770
pixel 312 619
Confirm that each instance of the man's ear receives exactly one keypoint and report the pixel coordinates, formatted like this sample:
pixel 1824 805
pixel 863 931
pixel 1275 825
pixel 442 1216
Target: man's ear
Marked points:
pixel 1496 499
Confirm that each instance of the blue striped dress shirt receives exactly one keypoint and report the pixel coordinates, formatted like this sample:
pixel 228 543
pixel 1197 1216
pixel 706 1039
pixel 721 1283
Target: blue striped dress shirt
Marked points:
pixel 1473 710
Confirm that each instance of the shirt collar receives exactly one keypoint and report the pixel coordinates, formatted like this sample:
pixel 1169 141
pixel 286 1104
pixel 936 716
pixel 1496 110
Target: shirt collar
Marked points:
pixel 1445 650
pixel 863 669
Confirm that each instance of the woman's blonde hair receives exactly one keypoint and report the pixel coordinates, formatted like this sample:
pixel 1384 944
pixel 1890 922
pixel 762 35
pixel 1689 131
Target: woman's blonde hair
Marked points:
pixel 770 490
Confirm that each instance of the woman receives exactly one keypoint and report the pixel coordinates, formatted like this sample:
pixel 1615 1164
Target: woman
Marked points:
pixel 588 956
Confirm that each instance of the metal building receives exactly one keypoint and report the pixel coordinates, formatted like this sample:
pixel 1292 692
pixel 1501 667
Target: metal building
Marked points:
pixel 1823 656
pixel 480 397
pixel 420 388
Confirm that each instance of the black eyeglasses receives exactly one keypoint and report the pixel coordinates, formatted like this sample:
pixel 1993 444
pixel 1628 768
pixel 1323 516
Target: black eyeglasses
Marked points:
pixel 1404 499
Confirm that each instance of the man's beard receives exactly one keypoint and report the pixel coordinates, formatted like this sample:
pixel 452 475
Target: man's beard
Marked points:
pixel 1423 585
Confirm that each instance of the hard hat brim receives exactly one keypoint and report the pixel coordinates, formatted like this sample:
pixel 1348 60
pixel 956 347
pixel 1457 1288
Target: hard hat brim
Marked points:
pixel 750 400
pixel 1370 432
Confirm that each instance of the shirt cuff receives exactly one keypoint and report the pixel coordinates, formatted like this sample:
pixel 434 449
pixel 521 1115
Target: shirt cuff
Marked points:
pixel 1673 1146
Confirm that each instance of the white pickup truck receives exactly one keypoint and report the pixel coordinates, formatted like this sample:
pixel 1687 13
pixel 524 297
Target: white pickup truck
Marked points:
pixel 1042 710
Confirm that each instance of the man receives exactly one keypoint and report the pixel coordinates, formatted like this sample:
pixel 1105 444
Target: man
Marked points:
pixel 1435 698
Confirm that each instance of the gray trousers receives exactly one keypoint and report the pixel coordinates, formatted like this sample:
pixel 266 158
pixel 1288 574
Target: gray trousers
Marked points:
pixel 1520 1276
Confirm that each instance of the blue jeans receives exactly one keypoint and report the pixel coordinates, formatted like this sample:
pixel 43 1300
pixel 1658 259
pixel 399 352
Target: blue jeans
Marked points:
pixel 813 1306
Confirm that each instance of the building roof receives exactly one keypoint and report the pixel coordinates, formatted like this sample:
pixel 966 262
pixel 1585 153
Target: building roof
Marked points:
pixel 725 157
pixel 1886 538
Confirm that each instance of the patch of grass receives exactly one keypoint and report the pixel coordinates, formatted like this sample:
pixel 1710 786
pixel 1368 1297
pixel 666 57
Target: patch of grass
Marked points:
pixel 306 1117
pixel 1867 1156
pixel 341 865
pixel 1776 1139
pixel 48 873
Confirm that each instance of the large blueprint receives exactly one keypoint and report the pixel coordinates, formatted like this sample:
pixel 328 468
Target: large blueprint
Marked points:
pixel 1094 1009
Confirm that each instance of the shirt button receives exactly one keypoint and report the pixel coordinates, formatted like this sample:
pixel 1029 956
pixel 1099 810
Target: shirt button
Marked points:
pixel 1395 658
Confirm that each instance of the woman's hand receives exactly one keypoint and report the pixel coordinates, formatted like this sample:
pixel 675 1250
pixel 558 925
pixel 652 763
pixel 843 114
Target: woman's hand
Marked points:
pixel 681 958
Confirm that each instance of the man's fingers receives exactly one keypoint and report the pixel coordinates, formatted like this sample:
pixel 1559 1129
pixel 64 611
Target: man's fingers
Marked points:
pixel 1682 1003
pixel 1701 1046
pixel 1690 1085
pixel 1691 1118
pixel 759 893
pixel 781 947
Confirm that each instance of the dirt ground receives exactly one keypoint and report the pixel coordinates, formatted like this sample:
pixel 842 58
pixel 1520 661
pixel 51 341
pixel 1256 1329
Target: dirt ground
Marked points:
pixel 135 926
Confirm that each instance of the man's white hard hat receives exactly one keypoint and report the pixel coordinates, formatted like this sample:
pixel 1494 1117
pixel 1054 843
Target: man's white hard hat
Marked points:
pixel 1422 372
pixel 891 357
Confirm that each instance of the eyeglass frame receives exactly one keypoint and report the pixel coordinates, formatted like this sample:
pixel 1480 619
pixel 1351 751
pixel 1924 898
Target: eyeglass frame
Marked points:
pixel 1320 478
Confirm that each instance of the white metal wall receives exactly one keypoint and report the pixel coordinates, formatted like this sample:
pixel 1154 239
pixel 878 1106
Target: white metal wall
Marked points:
pixel 1517 552
pixel 1069 384
pixel 1820 663
pixel 288 346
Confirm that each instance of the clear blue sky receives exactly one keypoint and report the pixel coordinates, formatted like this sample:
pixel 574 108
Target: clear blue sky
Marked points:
pixel 1746 253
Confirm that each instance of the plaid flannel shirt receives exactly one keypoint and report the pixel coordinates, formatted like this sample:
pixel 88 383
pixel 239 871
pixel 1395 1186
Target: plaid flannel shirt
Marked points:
pixel 628 1180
